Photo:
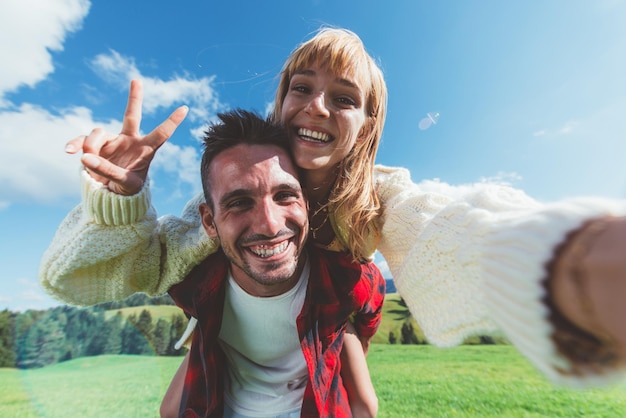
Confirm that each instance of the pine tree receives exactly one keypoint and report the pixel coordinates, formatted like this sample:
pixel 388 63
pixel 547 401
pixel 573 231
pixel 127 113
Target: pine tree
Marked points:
pixel 44 342
pixel 134 339
pixel 408 334
pixel 114 335
pixel 7 339
pixel 145 326
pixel 161 337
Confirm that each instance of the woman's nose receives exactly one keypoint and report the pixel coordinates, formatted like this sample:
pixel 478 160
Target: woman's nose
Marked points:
pixel 317 106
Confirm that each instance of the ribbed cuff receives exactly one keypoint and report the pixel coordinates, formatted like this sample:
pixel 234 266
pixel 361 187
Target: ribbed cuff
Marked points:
pixel 108 208
pixel 516 258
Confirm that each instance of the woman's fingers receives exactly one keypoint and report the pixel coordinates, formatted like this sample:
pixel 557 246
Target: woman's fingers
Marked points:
pixel 166 129
pixel 122 161
pixel 96 139
pixel 119 180
pixel 74 145
pixel 132 115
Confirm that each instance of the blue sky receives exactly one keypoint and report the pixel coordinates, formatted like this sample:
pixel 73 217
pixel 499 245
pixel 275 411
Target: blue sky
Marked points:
pixel 530 93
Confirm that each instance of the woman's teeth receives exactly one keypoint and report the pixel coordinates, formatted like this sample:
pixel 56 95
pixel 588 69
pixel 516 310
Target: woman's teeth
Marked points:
pixel 313 135
pixel 264 251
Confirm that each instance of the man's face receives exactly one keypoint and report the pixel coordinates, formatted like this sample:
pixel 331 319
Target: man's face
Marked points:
pixel 259 216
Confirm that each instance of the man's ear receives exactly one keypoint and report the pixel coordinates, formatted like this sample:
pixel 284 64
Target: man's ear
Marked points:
pixel 206 215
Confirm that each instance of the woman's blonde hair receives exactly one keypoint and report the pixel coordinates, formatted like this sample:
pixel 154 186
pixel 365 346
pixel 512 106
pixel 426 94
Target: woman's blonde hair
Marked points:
pixel 353 199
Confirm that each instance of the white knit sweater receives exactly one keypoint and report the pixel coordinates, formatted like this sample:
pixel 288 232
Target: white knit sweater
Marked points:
pixel 467 260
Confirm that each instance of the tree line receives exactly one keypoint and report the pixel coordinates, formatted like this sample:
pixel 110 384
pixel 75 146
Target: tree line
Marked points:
pixel 35 338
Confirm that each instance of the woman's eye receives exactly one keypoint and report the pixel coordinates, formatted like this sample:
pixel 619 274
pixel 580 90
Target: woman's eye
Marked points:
pixel 346 101
pixel 300 89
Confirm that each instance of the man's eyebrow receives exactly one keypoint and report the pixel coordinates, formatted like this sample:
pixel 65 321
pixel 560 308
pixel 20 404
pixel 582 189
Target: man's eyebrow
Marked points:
pixel 233 194
pixel 239 193
pixel 289 186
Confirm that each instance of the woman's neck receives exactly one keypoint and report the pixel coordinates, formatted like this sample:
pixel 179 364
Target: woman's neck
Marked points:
pixel 318 185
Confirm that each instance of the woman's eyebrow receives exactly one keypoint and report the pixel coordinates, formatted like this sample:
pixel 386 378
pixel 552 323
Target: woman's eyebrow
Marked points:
pixel 310 73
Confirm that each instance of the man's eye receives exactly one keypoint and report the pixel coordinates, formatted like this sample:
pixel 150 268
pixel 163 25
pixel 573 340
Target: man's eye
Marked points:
pixel 239 203
pixel 286 196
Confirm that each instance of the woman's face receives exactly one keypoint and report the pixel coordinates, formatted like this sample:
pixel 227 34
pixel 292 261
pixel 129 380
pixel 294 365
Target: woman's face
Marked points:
pixel 323 113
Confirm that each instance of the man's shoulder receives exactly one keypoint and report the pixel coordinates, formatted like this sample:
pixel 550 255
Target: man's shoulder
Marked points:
pixel 203 279
pixel 343 270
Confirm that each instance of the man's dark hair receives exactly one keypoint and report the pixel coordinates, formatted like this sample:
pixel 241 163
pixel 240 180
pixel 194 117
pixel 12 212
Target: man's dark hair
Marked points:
pixel 237 127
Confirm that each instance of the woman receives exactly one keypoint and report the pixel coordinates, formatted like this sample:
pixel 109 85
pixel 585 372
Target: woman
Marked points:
pixel 471 260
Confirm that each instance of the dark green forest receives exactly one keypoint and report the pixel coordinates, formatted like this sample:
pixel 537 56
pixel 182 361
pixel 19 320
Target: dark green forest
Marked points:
pixel 39 338
pixel 34 338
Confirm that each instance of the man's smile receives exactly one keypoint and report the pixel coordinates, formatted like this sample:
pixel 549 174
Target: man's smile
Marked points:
pixel 266 251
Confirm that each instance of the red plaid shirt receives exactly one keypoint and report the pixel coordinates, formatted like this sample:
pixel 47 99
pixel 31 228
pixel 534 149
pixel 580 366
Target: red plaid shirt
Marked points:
pixel 337 288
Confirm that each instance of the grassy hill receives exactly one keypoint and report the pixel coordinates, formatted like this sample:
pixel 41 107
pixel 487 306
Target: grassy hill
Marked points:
pixel 410 380
pixel 392 321
pixel 156 311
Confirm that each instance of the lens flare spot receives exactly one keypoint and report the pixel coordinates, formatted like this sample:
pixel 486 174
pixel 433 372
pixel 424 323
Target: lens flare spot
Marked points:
pixel 430 119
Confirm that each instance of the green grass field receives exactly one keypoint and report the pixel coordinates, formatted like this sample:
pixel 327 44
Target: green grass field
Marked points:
pixel 411 381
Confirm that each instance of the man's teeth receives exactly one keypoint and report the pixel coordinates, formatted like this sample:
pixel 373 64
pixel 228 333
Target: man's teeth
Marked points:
pixel 265 251
pixel 318 136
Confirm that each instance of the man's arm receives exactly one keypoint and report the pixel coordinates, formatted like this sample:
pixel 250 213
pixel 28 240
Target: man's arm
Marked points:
pixel 356 376
pixel 354 370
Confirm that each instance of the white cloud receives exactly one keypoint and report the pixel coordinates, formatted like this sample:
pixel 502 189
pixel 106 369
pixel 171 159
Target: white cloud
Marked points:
pixel 35 167
pixel 567 128
pixel 198 94
pixel 503 178
pixel 183 162
pixel 269 108
pixel 29 30
pixel 115 68
pixel 198 133
pixel 33 163
pixel 26 294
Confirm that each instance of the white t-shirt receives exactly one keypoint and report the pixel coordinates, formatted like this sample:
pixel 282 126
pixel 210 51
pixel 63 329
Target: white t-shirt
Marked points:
pixel 266 371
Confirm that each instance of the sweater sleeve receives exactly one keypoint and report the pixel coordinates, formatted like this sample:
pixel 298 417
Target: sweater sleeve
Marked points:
pixel 111 246
pixel 471 260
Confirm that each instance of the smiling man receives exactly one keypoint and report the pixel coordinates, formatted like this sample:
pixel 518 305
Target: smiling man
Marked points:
pixel 271 310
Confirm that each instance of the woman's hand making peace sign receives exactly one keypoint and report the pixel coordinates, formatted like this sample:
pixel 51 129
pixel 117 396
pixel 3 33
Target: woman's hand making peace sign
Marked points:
pixel 121 161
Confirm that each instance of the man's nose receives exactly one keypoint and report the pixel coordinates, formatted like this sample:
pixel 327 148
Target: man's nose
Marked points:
pixel 269 219
pixel 317 105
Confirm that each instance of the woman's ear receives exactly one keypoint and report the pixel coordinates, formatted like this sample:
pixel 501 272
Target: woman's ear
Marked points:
pixel 206 215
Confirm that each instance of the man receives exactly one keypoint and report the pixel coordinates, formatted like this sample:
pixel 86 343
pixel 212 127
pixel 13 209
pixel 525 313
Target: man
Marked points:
pixel 271 310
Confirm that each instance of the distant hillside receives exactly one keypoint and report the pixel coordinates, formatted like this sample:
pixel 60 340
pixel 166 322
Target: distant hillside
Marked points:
pixel 143 325
pixel 391 287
